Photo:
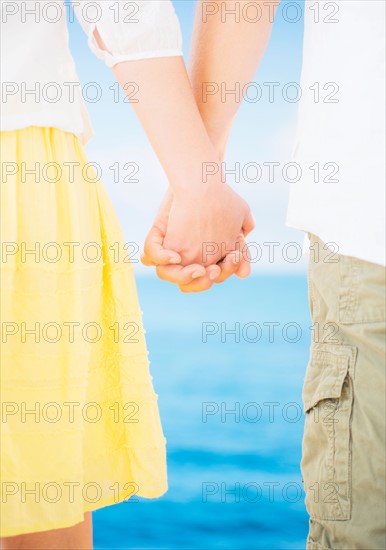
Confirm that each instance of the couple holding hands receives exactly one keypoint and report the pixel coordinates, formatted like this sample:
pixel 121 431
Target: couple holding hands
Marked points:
pixel 141 42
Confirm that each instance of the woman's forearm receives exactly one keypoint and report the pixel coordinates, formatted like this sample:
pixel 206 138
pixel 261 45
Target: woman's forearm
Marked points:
pixel 169 115
pixel 203 211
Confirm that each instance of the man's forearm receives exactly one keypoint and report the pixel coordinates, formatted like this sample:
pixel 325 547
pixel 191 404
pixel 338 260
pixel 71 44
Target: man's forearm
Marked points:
pixel 229 41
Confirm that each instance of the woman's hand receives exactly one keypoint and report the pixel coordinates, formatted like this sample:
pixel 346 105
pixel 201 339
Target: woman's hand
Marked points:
pixel 168 262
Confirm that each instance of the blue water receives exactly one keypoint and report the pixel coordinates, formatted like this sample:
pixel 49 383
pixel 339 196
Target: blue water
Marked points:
pixel 234 478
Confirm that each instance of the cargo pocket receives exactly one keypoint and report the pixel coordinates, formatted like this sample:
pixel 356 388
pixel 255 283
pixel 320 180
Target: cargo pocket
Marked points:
pixel 326 458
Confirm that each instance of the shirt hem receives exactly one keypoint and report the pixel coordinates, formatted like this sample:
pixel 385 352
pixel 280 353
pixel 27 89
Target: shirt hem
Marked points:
pixel 344 249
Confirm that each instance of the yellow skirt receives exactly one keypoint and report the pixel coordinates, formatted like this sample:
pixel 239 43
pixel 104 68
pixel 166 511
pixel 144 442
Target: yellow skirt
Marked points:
pixel 80 425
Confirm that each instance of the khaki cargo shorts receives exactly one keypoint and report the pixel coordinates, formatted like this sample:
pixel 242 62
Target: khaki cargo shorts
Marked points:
pixel 344 394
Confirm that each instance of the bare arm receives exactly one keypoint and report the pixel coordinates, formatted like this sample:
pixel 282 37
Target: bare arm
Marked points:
pixel 226 51
pixel 170 117
pixel 202 211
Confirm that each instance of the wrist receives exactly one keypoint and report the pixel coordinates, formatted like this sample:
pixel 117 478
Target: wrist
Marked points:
pixel 198 174
pixel 209 191
pixel 216 128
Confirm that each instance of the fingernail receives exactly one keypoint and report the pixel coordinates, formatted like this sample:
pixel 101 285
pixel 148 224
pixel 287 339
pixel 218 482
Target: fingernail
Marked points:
pixel 213 275
pixel 174 260
pixel 196 274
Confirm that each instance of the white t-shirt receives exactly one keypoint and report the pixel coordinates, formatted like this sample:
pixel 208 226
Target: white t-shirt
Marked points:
pixel 341 130
pixel 40 86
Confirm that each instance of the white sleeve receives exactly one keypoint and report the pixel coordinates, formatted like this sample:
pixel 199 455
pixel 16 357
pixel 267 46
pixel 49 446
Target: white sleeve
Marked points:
pixel 130 30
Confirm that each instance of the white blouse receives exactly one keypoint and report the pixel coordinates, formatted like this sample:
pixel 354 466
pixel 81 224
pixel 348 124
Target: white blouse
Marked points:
pixel 39 83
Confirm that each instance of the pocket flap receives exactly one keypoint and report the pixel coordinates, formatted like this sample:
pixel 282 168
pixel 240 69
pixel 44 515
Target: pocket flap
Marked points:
pixel 325 376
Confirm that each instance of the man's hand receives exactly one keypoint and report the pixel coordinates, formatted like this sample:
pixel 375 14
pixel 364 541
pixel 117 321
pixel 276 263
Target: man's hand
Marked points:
pixel 169 258
pixel 205 225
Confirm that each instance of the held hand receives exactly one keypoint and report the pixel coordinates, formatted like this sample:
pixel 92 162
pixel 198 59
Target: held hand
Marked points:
pixel 205 226
pixel 193 277
pixel 167 261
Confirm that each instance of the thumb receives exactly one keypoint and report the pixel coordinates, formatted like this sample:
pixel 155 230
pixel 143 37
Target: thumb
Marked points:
pixel 154 251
